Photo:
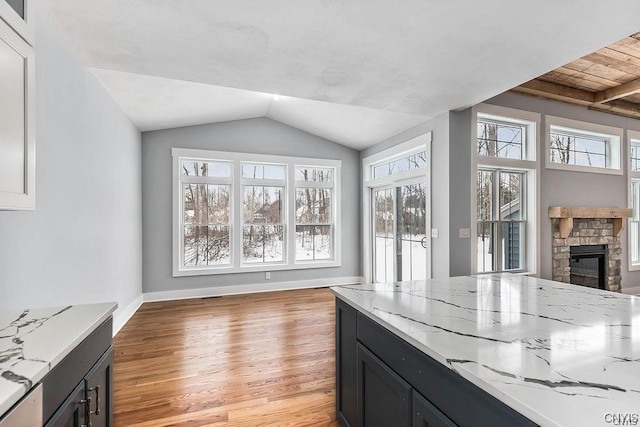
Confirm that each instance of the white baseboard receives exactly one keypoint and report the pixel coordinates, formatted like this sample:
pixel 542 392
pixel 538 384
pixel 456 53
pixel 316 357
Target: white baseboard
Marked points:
pixel 122 317
pixel 247 289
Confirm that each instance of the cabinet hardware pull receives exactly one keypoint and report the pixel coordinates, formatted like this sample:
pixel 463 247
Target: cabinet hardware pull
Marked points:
pixel 87 404
pixel 96 389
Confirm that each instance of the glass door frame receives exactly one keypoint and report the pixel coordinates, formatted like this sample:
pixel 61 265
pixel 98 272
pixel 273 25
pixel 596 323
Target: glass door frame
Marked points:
pixel 394 186
pixel 421 143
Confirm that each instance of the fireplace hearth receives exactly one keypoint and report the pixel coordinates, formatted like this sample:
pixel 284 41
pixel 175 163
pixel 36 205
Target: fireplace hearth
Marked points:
pixel 595 229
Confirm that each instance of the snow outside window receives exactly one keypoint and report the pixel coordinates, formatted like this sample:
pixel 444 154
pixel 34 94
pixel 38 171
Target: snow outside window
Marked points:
pixel 238 212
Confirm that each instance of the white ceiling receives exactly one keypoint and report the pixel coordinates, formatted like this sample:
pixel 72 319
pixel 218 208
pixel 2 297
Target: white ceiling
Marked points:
pixel 355 72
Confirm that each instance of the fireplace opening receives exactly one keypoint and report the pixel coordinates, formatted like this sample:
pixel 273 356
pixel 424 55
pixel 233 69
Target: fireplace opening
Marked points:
pixel 587 265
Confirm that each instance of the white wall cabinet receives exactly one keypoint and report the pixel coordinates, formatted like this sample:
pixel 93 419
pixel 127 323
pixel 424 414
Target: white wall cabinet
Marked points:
pixel 17 112
pixel 17 13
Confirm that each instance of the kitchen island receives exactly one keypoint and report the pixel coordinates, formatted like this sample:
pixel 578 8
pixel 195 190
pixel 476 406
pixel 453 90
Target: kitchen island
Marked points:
pixel 506 349
pixel 56 347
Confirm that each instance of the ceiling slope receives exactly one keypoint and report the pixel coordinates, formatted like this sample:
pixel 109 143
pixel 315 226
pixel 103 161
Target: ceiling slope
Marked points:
pixel 416 57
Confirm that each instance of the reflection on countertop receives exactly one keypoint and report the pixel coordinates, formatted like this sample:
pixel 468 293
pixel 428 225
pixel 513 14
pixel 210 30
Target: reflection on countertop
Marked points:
pixel 559 354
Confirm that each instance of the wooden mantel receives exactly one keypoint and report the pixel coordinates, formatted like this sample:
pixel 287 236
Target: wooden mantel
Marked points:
pixel 567 214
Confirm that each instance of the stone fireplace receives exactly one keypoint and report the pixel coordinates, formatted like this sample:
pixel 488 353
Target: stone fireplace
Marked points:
pixel 594 235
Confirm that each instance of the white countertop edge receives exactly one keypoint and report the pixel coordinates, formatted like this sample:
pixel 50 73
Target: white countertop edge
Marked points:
pixel 7 401
pixel 75 342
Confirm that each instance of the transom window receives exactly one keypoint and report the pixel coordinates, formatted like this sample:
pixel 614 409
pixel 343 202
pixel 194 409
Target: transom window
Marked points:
pixel 634 156
pixel 242 212
pixel 403 164
pixel 583 147
pixel 500 139
pixel 570 147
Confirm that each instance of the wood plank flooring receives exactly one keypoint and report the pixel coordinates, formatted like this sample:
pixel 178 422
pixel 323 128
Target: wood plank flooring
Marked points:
pixel 250 360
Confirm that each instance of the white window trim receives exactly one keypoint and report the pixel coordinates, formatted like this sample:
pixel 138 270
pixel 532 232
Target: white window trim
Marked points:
pixel 412 146
pixel 589 129
pixel 529 165
pixel 530 120
pixel 632 135
pixel 236 266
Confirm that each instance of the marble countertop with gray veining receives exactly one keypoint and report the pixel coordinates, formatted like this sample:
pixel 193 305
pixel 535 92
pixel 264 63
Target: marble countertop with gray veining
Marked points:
pixel 34 341
pixel 560 354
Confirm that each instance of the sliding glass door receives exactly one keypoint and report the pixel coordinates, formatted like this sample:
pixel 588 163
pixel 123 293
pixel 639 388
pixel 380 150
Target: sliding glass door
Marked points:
pixel 400 232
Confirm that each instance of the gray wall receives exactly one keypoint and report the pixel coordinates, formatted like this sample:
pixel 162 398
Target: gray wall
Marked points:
pixel 260 136
pixel 440 189
pixel 460 189
pixel 568 188
pixel 82 244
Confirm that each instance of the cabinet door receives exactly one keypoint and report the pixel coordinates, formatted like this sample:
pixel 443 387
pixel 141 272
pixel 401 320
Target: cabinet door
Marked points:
pixel 17 13
pixel 99 388
pixel 425 414
pixel 72 413
pixel 384 399
pixel 17 127
pixel 346 364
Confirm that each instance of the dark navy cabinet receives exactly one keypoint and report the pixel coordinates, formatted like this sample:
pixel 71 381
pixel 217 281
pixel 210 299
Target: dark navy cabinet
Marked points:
pixel 384 399
pixel 382 380
pixel 78 391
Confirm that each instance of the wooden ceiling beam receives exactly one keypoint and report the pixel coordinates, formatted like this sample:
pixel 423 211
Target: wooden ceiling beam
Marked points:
pixel 621 107
pixel 557 92
pixel 580 97
pixel 618 92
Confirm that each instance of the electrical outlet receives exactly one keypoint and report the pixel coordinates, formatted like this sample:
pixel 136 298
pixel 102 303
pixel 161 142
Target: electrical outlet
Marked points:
pixel 435 233
pixel 267 275
pixel 465 233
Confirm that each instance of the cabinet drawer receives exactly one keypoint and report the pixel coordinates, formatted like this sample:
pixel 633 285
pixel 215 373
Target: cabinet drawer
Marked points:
pixel 65 377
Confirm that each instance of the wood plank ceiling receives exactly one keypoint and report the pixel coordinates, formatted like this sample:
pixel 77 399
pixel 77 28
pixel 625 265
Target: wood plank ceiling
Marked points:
pixel 605 80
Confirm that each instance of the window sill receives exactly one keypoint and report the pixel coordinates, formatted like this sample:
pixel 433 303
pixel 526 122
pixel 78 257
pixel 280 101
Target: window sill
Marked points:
pixel 254 268
pixel 587 169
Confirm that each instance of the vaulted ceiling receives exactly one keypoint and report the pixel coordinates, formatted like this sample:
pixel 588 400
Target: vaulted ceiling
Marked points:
pixel 355 72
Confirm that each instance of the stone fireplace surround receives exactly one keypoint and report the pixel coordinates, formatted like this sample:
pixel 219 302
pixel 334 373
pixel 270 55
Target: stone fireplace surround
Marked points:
pixel 599 226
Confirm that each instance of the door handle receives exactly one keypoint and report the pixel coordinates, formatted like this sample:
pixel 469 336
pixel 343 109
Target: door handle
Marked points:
pixel 423 242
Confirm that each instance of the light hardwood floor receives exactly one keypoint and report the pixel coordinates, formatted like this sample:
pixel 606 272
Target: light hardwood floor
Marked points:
pixel 250 360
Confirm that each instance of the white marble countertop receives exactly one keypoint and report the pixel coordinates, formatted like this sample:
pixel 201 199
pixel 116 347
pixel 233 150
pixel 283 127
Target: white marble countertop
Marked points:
pixel 32 342
pixel 560 354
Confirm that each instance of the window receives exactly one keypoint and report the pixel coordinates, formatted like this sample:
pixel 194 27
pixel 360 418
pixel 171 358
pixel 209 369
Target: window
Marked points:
pixel 501 216
pixel 263 222
pixel 499 139
pixel 504 204
pixel 313 213
pixel 240 212
pixel 403 164
pixel 634 156
pixel 206 212
pixel 634 200
pixel 582 146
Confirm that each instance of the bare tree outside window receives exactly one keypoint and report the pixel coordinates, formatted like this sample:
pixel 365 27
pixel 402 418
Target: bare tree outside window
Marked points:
pixel 206 217
pixel 577 150
pixel 314 231
pixel 500 140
